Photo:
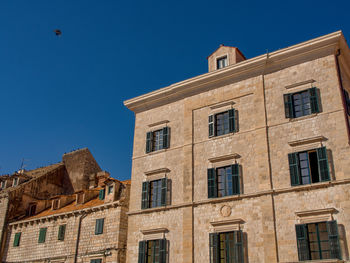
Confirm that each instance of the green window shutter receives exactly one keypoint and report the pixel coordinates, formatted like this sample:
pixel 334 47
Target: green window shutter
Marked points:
pixel 235 179
pixel 214 248
pixel 212 188
pixel 142 252
pixel 211 125
pixel 314 100
pixel 333 239
pixel 17 239
pixel 164 183
pixel 101 194
pixel 293 160
pixel 61 232
pixel 232 120
pixel 145 195
pixel 323 164
pixel 302 242
pixel 99 226
pixel 96 260
pixel 149 142
pixel 42 235
pixel 288 106
pixel 162 250
pixel 238 253
pixel 166 137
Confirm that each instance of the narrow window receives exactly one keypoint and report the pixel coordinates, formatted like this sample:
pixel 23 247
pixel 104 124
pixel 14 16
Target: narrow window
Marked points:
pixel 55 204
pixel 32 209
pixel 61 232
pixel 3 184
pixel 101 194
pixel 80 198
pixel 15 181
pixel 42 235
pixel 110 189
pixel 221 62
pixel 17 239
pixel 99 226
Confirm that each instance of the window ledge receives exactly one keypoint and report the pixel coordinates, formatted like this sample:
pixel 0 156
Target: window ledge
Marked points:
pixel 158 151
pixel 222 136
pixel 303 117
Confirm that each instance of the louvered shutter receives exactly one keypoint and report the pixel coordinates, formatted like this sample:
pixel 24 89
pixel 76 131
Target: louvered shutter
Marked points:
pixel 293 160
pixel 288 106
pixel 235 179
pixel 166 137
pixel 61 232
pixel 238 253
pixel 302 242
pixel 164 188
pixel 162 250
pixel 333 239
pixel 323 164
pixel 214 247
pixel 211 125
pixel 314 100
pixel 149 142
pixel 145 195
pixel 232 120
pixel 99 226
pixel 101 194
pixel 17 239
pixel 142 252
pixel 42 235
pixel 212 188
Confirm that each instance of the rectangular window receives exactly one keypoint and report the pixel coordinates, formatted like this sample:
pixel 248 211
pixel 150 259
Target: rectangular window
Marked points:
pixel 17 239
pixel 55 204
pixel 318 241
pixel 101 194
pixel 226 247
pixel 223 123
pixel 221 62
pixel 309 167
pixel 223 181
pixel 32 209
pixel 42 235
pixel 301 103
pixel 96 260
pixel 99 226
pixel 152 251
pixel 110 189
pixel 15 181
pixel 61 232
pixel 154 193
pixel 3 184
pixel 158 140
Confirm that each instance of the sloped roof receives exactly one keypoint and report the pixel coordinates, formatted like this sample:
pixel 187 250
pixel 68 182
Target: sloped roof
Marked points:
pixel 43 170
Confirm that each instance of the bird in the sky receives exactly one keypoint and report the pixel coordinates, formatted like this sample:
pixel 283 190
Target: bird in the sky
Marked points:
pixel 57 32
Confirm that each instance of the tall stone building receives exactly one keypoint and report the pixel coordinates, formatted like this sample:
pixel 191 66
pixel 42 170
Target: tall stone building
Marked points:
pixel 246 163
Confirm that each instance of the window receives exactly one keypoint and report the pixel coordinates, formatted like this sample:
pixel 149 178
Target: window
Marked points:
pixel 99 226
pixel 318 241
pixel 80 198
pixel 154 193
pixel 17 239
pixel 101 194
pixel 15 181
pixel 32 209
pixel 61 232
pixel 223 123
pixel 55 204
pixel 3 184
pixel 221 62
pixel 347 101
pixel 110 189
pixel 226 247
pixel 301 103
pixel 152 251
pixel 157 140
pixel 223 181
pixel 308 167
pixel 42 235
pixel 96 260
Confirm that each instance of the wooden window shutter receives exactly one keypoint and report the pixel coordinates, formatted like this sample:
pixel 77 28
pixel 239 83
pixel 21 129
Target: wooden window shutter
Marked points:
pixel 212 188
pixel 61 232
pixel 238 253
pixel 232 119
pixel 17 239
pixel 333 239
pixel 314 100
pixel 211 126
pixel 164 189
pixel 142 252
pixel 145 195
pixel 293 160
pixel 166 137
pixel 302 242
pixel 42 235
pixel 323 164
pixel 99 226
pixel 149 142
pixel 101 194
pixel 235 179
pixel 288 106
pixel 214 248
pixel 162 250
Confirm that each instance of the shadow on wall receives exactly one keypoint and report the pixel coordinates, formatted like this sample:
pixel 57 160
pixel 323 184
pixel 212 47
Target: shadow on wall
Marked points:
pixel 245 246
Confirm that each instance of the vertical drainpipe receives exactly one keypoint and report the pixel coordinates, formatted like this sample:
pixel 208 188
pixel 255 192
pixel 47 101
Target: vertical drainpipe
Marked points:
pixel 78 237
pixel 4 229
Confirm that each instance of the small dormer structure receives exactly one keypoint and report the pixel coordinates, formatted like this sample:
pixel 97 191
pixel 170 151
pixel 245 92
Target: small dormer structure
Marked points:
pixel 224 56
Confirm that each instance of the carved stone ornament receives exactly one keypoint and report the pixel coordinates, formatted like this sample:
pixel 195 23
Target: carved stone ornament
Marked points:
pixel 225 211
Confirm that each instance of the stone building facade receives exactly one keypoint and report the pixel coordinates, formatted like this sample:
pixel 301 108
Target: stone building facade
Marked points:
pixel 246 163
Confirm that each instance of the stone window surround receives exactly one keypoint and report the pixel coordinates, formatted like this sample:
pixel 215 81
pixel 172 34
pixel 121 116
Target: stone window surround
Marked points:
pixel 156 174
pixel 223 160
pixel 220 57
pixel 315 216
pixel 306 144
pixel 155 233
pixel 227 225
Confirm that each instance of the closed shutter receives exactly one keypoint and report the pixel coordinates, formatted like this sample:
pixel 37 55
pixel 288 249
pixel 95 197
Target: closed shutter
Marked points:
pixel 61 232
pixel 166 137
pixel 149 142
pixel 164 186
pixel 232 120
pixel 99 226
pixel 17 239
pixel 142 252
pixel 302 242
pixel 211 125
pixel 323 164
pixel 293 160
pixel 145 195
pixel 42 235
pixel 314 100
pixel 333 239
pixel 101 194
pixel 288 106
pixel 214 247
pixel 212 188
pixel 235 179
pixel 162 250
pixel 238 253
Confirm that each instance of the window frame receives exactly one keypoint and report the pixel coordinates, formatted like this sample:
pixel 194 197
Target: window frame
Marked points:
pixel 99 226
pixel 232 122
pixel 145 248
pixel 17 239
pixel 221 65
pixel 232 246
pixel 163 141
pixel 61 232
pixel 15 181
pixel 3 184
pixel 110 189
pixel 162 193
pixel 32 211
pixel 42 235
pixel 213 181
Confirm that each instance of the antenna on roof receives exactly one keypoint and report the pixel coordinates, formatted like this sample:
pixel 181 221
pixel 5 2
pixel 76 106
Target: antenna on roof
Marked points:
pixel 23 165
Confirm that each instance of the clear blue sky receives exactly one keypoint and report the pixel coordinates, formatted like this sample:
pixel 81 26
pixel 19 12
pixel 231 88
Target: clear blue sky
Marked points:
pixel 64 93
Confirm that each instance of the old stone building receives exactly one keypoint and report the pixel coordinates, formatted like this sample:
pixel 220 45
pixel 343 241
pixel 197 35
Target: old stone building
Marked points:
pixel 67 212
pixel 246 163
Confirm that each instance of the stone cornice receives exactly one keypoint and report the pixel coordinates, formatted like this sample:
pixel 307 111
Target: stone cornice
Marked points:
pixel 329 43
